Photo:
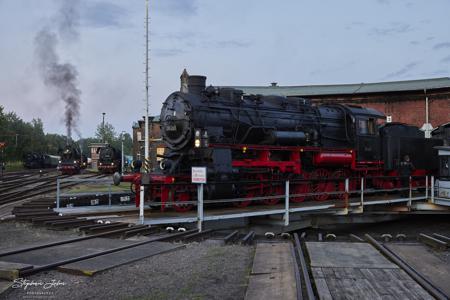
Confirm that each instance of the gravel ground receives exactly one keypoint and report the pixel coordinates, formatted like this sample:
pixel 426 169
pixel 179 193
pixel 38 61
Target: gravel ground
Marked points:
pixel 17 235
pixel 199 271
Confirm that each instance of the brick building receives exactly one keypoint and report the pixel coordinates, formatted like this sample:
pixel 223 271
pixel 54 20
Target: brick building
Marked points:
pixel 400 101
pixel 156 146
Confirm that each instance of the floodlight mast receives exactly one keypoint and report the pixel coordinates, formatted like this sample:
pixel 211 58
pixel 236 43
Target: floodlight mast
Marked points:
pixel 146 155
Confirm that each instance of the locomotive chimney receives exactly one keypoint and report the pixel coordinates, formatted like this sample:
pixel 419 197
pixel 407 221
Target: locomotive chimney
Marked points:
pixel 197 84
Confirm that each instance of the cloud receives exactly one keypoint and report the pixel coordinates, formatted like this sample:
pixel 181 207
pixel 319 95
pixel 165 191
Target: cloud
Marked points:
pixel 168 52
pixel 395 28
pixel 441 45
pixel 103 14
pixel 403 71
pixel 177 7
pixel 232 44
pixel 446 59
pixel 383 1
pixel 414 43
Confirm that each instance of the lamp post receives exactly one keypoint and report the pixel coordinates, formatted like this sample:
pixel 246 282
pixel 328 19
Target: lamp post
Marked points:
pixel 103 127
pixel 123 161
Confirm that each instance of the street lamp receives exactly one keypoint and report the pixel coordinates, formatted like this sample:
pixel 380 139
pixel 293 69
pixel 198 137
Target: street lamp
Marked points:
pixel 103 127
pixel 122 139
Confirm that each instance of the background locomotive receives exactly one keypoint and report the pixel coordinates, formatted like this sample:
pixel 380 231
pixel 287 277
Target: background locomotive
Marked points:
pixel 36 160
pixel 71 160
pixel 268 139
pixel 110 160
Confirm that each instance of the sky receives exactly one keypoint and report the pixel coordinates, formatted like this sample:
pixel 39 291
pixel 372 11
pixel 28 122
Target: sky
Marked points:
pixel 232 42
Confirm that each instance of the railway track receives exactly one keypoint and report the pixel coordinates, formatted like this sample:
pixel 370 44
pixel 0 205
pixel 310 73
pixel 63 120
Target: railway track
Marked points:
pixel 307 276
pixel 9 201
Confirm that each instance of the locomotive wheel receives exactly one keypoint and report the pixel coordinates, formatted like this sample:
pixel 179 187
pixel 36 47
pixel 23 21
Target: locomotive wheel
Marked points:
pixel 321 187
pixel 276 190
pixel 182 197
pixel 245 203
pixel 301 188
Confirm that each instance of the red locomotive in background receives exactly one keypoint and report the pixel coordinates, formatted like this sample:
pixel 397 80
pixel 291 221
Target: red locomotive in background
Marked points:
pixel 251 143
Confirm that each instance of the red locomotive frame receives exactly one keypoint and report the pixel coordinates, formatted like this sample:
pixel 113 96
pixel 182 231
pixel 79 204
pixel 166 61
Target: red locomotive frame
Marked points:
pixel 328 163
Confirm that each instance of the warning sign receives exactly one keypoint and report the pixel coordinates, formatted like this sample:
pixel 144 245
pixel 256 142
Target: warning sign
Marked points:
pixel 198 174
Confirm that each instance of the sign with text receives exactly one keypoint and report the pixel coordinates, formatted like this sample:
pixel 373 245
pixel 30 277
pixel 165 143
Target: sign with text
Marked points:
pixel 198 175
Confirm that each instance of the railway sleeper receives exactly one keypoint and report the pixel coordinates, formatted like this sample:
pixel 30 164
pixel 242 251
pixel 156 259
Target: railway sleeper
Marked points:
pixel 29 216
pixel 97 228
pixel 196 235
pixel 433 242
pixel 120 231
pixel 39 220
pixel 139 231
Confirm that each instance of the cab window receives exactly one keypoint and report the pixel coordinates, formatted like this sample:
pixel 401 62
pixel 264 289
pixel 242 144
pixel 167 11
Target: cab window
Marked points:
pixel 367 126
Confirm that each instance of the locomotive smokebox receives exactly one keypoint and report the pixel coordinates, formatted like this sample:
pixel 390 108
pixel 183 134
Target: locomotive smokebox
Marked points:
pixel 196 84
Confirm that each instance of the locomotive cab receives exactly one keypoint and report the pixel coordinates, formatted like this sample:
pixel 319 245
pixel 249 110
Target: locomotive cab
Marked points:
pixel 363 125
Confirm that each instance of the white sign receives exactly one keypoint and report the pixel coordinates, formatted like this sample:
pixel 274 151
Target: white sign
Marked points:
pixel 198 175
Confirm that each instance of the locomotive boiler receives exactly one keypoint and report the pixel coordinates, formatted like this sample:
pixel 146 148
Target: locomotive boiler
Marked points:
pixel 109 160
pixel 250 143
pixel 72 161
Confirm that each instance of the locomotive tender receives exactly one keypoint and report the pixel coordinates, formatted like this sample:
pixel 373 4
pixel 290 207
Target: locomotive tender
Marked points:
pixel 109 160
pixel 250 143
pixel 35 160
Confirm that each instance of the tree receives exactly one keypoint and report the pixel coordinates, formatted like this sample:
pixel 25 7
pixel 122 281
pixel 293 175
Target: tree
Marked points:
pixel 105 133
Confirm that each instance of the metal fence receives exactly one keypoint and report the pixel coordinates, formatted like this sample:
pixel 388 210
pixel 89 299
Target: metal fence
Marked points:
pixel 357 196
pixel 61 181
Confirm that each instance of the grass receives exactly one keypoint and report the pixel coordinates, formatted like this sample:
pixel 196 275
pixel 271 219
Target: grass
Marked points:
pixel 12 166
pixel 85 188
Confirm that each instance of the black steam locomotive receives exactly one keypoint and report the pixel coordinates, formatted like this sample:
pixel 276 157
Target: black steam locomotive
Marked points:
pixel 265 139
pixel 72 161
pixel 35 160
pixel 109 160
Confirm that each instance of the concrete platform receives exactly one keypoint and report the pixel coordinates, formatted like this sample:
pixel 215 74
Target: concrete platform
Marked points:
pixel 97 209
pixel 358 271
pixel 273 274
pixel 97 264
pixel 426 261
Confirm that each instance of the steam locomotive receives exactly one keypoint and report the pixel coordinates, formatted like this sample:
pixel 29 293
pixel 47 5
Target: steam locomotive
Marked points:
pixel 109 160
pixel 72 161
pixel 35 160
pixel 251 143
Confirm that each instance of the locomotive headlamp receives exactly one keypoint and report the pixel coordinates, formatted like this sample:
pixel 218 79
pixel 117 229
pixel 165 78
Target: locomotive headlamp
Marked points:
pixel 244 149
pixel 59 161
pixel 112 164
pixel 100 164
pixel 197 142
pixel 74 161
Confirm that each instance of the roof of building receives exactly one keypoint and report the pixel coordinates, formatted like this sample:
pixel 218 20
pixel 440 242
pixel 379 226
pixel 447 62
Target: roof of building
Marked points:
pixel 348 89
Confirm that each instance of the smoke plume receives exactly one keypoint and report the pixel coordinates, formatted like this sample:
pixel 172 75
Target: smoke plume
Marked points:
pixel 62 77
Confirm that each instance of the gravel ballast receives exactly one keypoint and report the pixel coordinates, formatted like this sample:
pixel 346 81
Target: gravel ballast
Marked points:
pixel 198 271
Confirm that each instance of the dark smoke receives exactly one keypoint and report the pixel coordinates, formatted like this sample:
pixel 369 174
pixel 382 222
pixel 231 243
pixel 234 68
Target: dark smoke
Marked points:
pixel 62 77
